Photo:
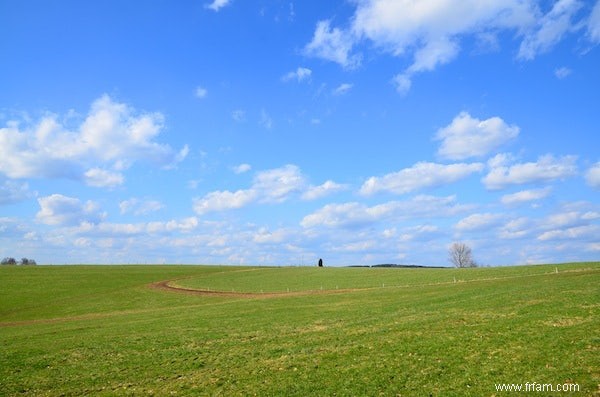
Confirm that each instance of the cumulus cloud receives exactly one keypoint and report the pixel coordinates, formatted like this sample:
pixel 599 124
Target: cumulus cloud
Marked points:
pixel 562 72
pixel 327 188
pixel 270 186
pixel 515 229
pixel 223 200
pixel 576 232
pixel 201 92
pixel 238 115
pixel 13 192
pixel 402 82
pixel 88 230
pixel 265 119
pixel 216 5
pixel 332 44
pixel 102 178
pixel 57 209
pixel 546 169
pixel 342 89
pixel 277 184
pixel 467 136
pixel 550 28
pixel 592 176
pixel 419 233
pixel 300 74
pixel 354 214
pixel 242 168
pixel 264 236
pixel 419 176
pixel 139 207
pixel 525 196
pixel 110 138
pixel 431 31
pixel 569 218
pixel 478 222
pixel 593 24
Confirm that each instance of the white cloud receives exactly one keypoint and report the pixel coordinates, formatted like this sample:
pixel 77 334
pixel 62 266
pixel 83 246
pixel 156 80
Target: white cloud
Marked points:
pixel 389 233
pixel 242 168
pixel 577 232
pixel 402 82
pixel 569 218
pixel 353 214
pixel 185 225
pixel 270 186
pixel 546 169
pixel 112 230
pixel 435 52
pixel 398 25
pixel 223 200
pixel 419 176
pixel 201 92
pixel 216 5
pixel 420 233
pixel 102 178
pixel 139 207
pixel 112 135
pixel 550 29
pixel 332 44
pixel 525 196
pixel 593 247
pixel 562 72
pixel 342 89
pixel 592 176
pixel 500 160
pixel 468 137
pixel 61 210
pixel 13 192
pixel 265 120
pixel 238 115
pixel 277 184
pixel 11 227
pixel 327 188
pixel 264 236
pixel 300 74
pixel 179 157
pixel 431 31
pixel 478 222
pixel 516 228
pixel 594 24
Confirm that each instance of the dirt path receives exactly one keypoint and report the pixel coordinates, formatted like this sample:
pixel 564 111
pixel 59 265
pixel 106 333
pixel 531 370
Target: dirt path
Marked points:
pixel 168 286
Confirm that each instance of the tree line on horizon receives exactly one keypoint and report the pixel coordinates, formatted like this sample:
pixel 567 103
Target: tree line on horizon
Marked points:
pixel 22 262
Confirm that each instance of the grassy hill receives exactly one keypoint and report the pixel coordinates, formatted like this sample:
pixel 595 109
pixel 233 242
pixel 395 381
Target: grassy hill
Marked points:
pixel 101 330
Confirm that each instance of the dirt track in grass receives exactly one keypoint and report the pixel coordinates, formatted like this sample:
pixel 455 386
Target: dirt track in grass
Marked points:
pixel 168 285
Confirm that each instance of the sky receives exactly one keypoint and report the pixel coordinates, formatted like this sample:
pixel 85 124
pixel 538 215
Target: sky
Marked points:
pixel 280 132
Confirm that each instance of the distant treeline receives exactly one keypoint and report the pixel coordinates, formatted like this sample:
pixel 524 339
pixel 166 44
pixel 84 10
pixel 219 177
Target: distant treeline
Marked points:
pixel 13 261
pixel 400 266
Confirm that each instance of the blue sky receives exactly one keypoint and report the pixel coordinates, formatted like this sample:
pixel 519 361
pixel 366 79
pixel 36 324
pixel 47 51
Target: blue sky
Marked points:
pixel 280 132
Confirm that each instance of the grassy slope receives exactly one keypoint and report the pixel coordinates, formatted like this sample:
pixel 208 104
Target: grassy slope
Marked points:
pixel 116 336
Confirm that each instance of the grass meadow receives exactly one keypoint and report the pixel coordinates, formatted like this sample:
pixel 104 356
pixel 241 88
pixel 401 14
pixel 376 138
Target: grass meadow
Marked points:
pixel 102 330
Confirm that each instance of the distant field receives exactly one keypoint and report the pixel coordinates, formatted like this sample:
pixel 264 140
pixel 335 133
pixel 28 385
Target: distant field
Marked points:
pixel 102 330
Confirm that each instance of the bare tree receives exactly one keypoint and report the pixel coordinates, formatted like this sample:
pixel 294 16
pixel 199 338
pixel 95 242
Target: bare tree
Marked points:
pixel 461 255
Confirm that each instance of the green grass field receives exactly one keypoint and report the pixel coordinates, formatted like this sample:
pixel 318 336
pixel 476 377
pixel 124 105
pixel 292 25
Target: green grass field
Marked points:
pixel 101 330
